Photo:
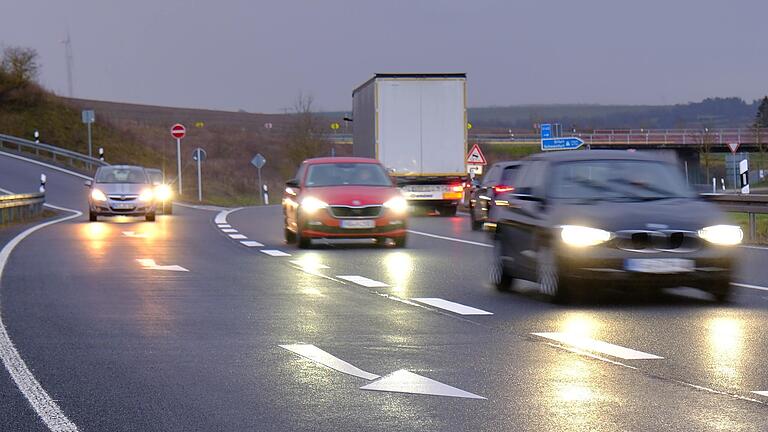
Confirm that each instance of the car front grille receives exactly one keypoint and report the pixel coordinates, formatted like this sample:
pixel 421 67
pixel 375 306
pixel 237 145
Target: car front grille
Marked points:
pixel 122 197
pixel 356 212
pixel 657 241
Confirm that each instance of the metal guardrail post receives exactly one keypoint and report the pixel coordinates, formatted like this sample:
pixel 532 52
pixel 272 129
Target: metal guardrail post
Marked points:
pixel 752 226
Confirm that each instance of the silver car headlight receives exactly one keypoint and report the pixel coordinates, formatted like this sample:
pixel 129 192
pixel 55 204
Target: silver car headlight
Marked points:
pixel 98 195
pixel 581 236
pixel 724 235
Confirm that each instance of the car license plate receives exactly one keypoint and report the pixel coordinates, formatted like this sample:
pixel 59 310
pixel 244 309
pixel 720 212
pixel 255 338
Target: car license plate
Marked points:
pixel 659 265
pixel 122 206
pixel 358 223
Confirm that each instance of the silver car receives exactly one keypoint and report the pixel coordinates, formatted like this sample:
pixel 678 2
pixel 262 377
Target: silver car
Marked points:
pixel 121 190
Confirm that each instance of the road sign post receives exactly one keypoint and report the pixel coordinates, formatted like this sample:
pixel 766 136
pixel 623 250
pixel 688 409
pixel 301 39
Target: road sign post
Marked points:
pixel 199 156
pixel 89 116
pixel 178 131
pixel 258 161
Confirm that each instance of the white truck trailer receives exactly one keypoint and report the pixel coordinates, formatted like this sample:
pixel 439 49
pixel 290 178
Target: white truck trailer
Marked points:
pixel 416 125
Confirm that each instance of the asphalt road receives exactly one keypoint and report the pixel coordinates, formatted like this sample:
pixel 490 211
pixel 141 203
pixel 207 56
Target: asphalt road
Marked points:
pixel 131 345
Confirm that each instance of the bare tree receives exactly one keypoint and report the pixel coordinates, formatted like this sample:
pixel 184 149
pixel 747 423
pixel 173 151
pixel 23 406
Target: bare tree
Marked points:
pixel 305 138
pixel 705 140
pixel 20 64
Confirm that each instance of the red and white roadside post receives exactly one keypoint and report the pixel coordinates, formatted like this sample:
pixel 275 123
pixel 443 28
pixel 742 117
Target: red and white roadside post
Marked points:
pixel 178 131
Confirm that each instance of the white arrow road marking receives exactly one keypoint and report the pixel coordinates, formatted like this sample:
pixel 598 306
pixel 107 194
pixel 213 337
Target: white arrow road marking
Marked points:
pixel 452 306
pixel 593 345
pixel 364 281
pixel 150 264
pixel 30 387
pixel 317 355
pixel 251 243
pixel 237 236
pixel 132 234
pixel 404 381
pixel 761 393
pixel 274 253
pixel 228 230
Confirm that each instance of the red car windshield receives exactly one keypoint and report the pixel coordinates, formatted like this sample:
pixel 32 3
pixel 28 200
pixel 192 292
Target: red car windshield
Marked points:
pixel 343 174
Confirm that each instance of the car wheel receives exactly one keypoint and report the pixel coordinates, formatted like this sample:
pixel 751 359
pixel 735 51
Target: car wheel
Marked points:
pixel 150 217
pixel 551 281
pixel 93 217
pixel 499 276
pixel 473 222
pixel 290 236
pixel 168 208
pixel 722 291
pixel 301 241
pixel 400 242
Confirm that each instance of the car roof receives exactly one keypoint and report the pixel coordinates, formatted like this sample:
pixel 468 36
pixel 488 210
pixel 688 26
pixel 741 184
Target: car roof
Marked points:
pixel 121 166
pixel 507 164
pixel 580 155
pixel 327 160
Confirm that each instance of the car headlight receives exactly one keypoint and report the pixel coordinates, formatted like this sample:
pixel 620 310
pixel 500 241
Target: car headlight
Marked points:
pixel 98 195
pixel 163 192
pixel 724 235
pixel 397 205
pixel 581 236
pixel 310 205
pixel 146 195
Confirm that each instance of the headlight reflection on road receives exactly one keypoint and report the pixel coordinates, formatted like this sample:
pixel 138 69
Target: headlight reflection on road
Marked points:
pixel 310 263
pixel 579 324
pixel 726 342
pixel 399 267
pixel 95 235
pixel 574 397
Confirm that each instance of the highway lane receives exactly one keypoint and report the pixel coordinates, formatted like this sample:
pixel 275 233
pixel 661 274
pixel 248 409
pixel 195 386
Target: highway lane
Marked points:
pixel 126 347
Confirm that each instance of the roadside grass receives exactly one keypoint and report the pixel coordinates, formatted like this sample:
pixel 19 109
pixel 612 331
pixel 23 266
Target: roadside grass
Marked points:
pixel 742 219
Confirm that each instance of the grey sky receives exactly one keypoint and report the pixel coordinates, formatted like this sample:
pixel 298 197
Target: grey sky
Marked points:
pixel 255 55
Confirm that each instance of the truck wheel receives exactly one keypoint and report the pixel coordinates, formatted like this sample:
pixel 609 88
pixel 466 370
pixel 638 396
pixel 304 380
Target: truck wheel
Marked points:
pixel 93 217
pixel 448 211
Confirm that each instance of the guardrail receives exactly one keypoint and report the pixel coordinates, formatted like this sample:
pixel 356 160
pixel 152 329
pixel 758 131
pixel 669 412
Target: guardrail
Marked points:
pixel 21 206
pixel 57 154
pixel 749 204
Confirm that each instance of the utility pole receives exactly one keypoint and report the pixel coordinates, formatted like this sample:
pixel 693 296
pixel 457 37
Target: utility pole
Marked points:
pixel 68 54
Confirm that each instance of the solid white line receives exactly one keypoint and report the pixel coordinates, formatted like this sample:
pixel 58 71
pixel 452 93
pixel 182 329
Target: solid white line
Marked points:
pixel 755 247
pixel 221 218
pixel 761 393
pixel 474 243
pixel 317 355
pixel 593 345
pixel 274 253
pixel 199 207
pixel 44 406
pixel 251 243
pixel 53 167
pixel 755 287
pixel 451 306
pixel 228 230
pixel 237 236
pixel 364 281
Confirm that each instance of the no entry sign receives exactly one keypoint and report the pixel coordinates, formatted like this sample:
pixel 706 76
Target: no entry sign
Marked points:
pixel 178 131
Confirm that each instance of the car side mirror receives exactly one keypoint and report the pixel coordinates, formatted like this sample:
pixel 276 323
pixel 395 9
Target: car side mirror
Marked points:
pixel 292 183
pixel 88 183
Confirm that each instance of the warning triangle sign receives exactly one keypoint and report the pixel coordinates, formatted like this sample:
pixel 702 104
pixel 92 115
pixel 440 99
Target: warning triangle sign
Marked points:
pixel 475 156
pixel 733 147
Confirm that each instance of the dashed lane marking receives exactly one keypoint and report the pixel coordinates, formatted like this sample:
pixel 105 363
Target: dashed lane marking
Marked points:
pixel 228 230
pixel 593 345
pixel 452 306
pixel 317 355
pixel 150 264
pixel 274 253
pixel 403 381
pixel 237 236
pixel 474 243
pixel 45 407
pixel 364 281
pixel 251 243
pixel 224 226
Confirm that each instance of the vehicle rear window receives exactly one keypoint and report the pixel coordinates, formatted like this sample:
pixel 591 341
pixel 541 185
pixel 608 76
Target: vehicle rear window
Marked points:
pixel 341 174
pixel 121 175
pixel 597 179
pixel 509 174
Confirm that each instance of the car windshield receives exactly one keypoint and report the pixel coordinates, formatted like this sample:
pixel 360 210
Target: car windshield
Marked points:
pixel 121 175
pixel 341 174
pixel 617 179
pixel 155 176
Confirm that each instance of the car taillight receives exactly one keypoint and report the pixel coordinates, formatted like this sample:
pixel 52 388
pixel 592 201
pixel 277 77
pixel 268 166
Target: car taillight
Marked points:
pixel 503 188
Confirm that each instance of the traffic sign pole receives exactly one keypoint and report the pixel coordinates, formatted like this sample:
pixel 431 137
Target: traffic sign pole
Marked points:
pixel 178 162
pixel 199 180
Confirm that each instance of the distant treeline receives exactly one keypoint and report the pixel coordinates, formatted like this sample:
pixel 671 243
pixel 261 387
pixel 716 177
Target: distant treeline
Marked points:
pixel 711 112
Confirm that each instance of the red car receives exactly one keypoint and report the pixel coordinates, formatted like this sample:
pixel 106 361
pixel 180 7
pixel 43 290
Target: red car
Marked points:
pixel 343 197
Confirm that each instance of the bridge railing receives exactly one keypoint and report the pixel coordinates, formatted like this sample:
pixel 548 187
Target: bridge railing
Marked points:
pixel 20 206
pixel 59 155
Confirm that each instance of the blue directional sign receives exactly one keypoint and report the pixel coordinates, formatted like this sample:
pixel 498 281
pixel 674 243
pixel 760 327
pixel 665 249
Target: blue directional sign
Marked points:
pixel 566 143
pixel 546 130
